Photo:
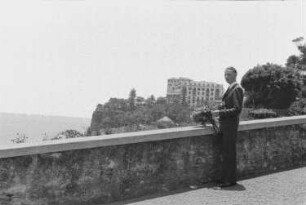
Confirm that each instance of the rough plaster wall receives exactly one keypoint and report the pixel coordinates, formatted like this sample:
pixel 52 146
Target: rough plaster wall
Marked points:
pixel 266 150
pixel 101 175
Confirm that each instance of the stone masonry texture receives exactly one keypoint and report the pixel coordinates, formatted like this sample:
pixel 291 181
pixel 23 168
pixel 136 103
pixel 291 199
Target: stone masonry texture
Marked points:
pixel 113 173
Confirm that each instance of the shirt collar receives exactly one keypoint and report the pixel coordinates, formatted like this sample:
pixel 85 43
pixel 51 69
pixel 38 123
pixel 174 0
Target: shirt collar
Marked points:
pixel 232 85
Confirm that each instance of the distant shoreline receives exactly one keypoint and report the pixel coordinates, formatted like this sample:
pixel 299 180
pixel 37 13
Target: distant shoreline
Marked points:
pixel 37 127
pixel 42 115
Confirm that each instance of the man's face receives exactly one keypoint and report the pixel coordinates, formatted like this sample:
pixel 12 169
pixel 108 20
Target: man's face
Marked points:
pixel 229 76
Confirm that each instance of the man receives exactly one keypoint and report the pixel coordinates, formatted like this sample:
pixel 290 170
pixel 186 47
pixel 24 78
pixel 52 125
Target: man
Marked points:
pixel 229 120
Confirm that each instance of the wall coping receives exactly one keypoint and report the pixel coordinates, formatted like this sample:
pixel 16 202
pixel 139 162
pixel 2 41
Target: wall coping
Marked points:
pixel 135 137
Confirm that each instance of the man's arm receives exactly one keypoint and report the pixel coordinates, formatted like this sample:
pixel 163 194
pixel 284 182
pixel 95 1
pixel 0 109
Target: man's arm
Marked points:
pixel 237 105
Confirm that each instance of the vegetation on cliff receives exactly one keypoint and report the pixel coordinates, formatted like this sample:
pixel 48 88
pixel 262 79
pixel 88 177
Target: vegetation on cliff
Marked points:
pixel 137 113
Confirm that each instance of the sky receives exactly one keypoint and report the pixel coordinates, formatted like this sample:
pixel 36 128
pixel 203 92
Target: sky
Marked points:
pixel 63 57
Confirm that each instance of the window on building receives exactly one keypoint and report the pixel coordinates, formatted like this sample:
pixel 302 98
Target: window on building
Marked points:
pixel 217 93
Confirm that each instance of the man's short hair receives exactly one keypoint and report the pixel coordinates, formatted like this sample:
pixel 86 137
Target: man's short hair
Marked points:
pixel 232 69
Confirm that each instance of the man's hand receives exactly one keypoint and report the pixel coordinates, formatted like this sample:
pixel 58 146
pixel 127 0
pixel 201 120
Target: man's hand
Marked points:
pixel 215 113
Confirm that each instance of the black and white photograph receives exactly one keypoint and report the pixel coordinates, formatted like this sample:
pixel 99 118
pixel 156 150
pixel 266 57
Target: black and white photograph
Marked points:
pixel 145 102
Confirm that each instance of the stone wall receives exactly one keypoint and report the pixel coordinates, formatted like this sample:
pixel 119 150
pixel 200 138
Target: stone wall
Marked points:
pixel 99 170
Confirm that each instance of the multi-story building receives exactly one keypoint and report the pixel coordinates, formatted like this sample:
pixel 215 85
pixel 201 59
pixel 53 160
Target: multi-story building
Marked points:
pixel 193 93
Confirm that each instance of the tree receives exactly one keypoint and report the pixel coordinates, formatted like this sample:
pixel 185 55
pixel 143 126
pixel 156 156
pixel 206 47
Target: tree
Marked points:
pixel 271 86
pixel 117 114
pixel 178 112
pixel 68 134
pixel 132 99
pixel 140 101
pixel 298 62
pixel 150 101
pixel 298 107
pixel 293 62
pixel 161 100
pixel 116 104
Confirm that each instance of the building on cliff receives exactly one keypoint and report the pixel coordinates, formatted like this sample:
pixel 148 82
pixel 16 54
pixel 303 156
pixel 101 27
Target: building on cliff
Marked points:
pixel 193 93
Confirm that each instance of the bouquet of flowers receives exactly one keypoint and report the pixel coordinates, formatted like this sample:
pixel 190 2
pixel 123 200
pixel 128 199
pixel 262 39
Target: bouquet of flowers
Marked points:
pixel 204 116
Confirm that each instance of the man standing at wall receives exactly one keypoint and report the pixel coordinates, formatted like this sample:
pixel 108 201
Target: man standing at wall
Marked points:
pixel 229 120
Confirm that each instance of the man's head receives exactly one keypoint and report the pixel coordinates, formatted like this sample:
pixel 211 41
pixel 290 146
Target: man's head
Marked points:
pixel 230 75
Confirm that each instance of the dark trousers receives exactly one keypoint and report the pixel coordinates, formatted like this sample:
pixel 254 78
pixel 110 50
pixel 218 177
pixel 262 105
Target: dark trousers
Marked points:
pixel 228 128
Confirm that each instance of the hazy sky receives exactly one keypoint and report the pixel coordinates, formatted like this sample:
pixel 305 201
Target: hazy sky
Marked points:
pixel 63 57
